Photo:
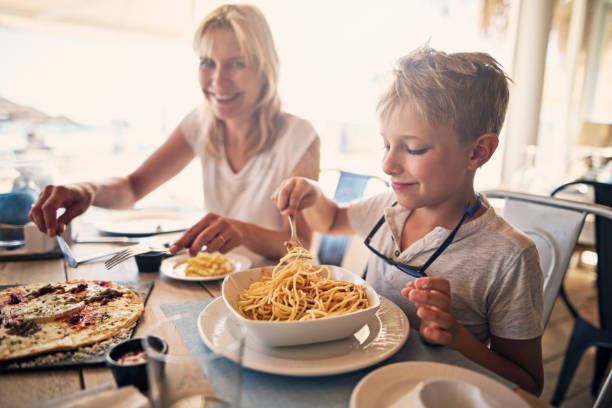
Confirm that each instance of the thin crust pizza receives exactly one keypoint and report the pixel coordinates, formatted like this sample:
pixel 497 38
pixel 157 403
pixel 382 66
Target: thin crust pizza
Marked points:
pixel 40 318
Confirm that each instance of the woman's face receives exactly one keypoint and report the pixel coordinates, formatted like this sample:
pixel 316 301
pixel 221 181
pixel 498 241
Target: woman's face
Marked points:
pixel 230 86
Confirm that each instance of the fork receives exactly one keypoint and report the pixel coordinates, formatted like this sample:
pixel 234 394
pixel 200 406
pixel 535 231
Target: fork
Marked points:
pixel 129 252
pixel 294 240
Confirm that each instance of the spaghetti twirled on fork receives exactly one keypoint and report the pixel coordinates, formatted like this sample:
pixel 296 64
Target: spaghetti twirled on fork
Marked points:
pixel 299 291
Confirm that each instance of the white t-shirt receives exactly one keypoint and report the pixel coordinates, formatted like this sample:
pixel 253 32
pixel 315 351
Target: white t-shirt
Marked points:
pixel 245 196
pixel 493 269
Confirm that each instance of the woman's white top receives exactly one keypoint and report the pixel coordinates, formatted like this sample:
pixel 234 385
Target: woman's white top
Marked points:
pixel 245 195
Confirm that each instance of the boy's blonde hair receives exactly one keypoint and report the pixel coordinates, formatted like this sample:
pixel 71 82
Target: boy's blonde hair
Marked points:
pixel 467 92
pixel 255 40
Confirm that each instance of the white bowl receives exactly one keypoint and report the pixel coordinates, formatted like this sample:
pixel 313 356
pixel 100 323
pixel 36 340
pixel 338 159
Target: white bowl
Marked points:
pixel 291 333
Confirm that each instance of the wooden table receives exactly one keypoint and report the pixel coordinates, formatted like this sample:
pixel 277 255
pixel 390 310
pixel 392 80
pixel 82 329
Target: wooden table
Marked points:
pixel 23 388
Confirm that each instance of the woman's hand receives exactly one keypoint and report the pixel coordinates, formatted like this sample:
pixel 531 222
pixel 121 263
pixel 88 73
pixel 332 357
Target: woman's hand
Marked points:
pixel 75 199
pixel 294 194
pixel 216 232
pixel 433 301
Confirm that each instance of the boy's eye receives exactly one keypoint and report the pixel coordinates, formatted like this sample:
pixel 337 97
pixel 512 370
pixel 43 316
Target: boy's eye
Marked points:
pixel 416 151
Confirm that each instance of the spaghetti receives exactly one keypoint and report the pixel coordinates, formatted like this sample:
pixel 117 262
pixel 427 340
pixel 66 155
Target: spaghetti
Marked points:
pixel 299 291
pixel 208 265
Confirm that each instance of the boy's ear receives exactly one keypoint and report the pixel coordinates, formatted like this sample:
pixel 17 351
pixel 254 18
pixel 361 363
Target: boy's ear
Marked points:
pixel 482 150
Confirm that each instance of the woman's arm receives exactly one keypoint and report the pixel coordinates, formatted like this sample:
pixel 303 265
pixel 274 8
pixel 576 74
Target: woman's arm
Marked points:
pixel 120 192
pixel 166 162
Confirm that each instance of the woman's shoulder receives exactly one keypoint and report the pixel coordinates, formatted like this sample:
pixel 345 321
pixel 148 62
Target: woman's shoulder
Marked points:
pixel 194 124
pixel 293 124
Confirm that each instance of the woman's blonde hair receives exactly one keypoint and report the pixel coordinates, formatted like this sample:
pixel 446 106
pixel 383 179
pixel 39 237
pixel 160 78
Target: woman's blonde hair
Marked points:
pixel 255 40
pixel 467 92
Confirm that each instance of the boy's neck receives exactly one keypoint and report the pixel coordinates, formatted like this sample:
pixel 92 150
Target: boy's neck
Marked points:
pixel 424 219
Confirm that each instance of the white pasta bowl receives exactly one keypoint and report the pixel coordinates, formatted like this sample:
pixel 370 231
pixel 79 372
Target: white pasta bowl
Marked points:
pixel 291 333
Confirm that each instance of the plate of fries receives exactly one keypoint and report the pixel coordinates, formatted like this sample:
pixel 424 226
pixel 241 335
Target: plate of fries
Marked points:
pixel 204 266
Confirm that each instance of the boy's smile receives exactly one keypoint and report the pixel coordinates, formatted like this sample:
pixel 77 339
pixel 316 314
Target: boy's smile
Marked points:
pixel 427 163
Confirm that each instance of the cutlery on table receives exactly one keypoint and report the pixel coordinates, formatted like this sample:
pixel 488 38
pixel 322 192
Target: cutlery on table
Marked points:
pixel 107 240
pixel 73 262
pixel 132 251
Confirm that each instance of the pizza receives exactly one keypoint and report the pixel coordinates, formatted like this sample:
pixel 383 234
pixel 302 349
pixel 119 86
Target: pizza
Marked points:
pixel 40 318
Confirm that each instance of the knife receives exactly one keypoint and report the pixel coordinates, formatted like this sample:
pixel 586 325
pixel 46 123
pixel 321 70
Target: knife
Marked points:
pixel 66 251
pixel 107 240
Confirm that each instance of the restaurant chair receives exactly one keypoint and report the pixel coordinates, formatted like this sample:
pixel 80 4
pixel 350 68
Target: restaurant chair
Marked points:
pixel 350 186
pixel 604 399
pixel 554 225
pixel 585 334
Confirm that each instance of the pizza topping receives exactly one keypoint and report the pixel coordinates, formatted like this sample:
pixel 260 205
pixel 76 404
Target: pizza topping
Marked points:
pixel 47 289
pixel 13 299
pixel 22 328
pixel 105 296
pixel 74 319
pixel 81 287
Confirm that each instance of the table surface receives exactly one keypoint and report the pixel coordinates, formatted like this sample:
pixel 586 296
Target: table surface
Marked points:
pixel 22 388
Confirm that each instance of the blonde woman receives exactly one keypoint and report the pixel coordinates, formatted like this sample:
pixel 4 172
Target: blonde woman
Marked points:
pixel 246 145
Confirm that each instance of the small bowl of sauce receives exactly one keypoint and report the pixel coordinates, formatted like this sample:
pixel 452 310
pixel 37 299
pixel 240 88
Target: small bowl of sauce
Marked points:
pixel 128 361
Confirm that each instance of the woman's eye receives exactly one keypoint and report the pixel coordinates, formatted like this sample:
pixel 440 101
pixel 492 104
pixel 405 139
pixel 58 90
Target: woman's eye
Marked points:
pixel 237 64
pixel 206 63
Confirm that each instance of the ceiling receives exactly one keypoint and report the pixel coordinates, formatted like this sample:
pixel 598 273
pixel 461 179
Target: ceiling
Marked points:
pixel 167 18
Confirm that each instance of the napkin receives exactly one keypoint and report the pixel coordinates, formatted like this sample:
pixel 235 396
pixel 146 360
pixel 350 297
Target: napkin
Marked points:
pixel 101 397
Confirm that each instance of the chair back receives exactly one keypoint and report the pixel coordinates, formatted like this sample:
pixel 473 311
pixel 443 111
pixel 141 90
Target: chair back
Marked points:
pixel 554 225
pixel 349 187
pixel 603 246
pixel 604 398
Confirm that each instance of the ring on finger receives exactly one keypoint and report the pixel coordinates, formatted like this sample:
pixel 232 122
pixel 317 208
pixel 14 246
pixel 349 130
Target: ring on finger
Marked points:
pixel 222 239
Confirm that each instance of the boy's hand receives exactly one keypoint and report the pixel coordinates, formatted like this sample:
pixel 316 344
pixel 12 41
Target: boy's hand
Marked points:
pixel 433 301
pixel 294 194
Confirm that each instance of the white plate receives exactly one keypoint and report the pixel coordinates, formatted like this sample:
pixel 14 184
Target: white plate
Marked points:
pixel 144 222
pixel 386 385
pixel 381 337
pixel 175 267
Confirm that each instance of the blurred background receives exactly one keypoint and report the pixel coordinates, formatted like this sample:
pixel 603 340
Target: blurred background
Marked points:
pixel 89 88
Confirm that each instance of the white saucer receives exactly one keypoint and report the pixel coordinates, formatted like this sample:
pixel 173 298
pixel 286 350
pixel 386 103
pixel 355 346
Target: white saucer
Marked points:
pixel 146 222
pixel 380 338
pixel 386 385
pixel 175 267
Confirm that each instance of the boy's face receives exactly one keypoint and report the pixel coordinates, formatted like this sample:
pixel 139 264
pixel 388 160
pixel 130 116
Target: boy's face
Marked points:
pixel 427 163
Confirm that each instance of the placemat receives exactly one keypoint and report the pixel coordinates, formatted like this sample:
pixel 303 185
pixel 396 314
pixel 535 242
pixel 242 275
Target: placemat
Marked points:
pixel 92 354
pixel 274 391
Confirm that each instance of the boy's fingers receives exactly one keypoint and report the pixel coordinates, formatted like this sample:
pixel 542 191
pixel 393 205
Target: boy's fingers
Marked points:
pixel 430 298
pixel 439 284
pixel 432 315
pixel 284 193
pixel 436 335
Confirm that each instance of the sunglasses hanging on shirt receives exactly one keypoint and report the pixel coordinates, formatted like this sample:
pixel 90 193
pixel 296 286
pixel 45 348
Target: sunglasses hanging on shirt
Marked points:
pixel 419 271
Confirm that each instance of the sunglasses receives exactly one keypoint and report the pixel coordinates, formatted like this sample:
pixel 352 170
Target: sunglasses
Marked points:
pixel 419 271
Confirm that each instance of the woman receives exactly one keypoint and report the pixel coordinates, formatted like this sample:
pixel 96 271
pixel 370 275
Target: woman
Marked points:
pixel 245 143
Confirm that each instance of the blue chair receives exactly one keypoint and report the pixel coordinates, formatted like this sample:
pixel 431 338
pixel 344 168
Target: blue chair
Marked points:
pixel 350 186
pixel 584 334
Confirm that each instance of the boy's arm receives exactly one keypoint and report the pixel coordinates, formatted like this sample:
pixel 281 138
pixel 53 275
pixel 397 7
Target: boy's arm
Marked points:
pixel 520 361
pixel 321 213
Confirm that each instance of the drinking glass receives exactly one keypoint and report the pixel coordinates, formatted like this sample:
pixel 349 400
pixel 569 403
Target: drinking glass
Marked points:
pixel 190 374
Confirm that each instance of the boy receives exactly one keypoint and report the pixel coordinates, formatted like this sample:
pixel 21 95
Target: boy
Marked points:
pixel 478 279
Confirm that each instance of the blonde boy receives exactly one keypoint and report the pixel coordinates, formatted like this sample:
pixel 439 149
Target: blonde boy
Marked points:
pixel 481 293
